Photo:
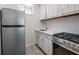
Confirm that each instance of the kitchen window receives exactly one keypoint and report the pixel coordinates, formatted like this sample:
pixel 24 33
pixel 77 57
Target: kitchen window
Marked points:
pixel 28 9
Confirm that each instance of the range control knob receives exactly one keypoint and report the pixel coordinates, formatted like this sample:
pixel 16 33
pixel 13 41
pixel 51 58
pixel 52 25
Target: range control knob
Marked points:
pixel 73 45
pixel 68 43
pixel 64 42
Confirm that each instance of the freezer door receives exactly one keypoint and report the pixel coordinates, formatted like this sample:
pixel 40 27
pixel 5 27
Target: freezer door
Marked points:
pixel 12 17
pixel 13 41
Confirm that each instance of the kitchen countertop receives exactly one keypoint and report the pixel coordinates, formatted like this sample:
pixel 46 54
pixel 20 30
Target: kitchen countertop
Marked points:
pixel 75 39
pixel 47 32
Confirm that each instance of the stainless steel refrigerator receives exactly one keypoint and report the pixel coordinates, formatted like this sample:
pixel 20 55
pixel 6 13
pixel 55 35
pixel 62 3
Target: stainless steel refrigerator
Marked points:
pixel 12 32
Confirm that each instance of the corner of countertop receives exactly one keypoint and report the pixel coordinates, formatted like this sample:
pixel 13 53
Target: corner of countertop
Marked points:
pixel 45 32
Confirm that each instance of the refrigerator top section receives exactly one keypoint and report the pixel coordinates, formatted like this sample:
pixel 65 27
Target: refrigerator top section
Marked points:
pixel 12 17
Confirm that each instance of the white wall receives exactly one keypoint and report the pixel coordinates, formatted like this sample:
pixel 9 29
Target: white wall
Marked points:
pixel 29 30
pixel 32 22
pixel 67 24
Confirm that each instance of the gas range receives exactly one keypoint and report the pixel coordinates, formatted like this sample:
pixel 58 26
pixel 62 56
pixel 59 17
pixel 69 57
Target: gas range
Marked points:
pixel 68 36
pixel 67 40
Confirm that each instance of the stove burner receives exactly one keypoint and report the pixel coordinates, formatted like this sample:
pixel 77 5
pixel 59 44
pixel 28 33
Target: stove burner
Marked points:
pixel 68 36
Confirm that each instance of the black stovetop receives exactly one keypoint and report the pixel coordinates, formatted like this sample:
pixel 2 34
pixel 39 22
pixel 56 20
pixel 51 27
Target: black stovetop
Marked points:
pixel 68 36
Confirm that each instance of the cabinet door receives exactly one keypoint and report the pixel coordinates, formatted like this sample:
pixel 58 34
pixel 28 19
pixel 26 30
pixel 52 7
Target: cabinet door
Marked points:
pixel 56 10
pixel 64 8
pixel 70 8
pixel 76 7
pixel 67 8
pixel 59 9
pixel 40 43
pixel 49 10
pixel 47 46
pixel 42 11
pixel 53 10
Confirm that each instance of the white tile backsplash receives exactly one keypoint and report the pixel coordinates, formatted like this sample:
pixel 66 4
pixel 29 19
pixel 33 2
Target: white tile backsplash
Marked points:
pixel 65 24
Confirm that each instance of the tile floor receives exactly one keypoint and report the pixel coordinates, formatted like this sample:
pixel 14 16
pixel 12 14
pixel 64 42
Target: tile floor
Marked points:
pixel 33 50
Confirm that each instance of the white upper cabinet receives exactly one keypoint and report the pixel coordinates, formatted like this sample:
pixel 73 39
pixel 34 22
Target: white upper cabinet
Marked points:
pixel 76 7
pixel 55 10
pixel 64 8
pixel 43 11
pixel 70 8
pixel 67 8
pixel 49 10
pixel 52 10
pixel 59 9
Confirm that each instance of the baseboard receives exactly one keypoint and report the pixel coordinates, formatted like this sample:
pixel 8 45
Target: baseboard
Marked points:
pixel 28 45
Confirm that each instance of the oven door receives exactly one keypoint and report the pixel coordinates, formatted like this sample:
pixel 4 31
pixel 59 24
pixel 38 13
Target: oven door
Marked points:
pixel 58 50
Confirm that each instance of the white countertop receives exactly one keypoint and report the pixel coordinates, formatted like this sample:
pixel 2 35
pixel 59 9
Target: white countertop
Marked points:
pixel 48 32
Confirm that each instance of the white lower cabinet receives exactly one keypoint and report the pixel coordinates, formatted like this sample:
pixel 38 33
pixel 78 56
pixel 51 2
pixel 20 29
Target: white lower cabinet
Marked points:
pixel 47 46
pixel 40 41
pixel 45 43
